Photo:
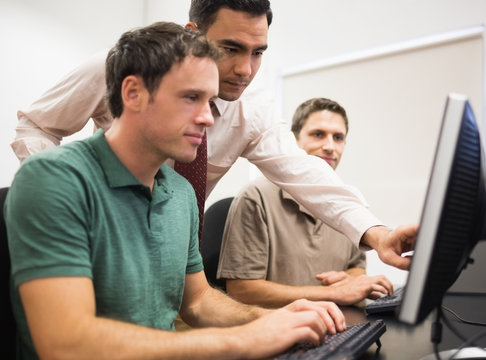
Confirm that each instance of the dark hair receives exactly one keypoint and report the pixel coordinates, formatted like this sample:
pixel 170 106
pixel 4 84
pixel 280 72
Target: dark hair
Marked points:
pixel 312 105
pixel 203 12
pixel 150 52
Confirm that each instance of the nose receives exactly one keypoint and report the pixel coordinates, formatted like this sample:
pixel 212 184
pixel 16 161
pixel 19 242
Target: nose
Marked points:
pixel 206 117
pixel 243 66
pixel 328 144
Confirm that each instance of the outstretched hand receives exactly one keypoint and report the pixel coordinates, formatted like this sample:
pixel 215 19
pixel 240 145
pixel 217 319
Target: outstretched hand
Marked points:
pixel 390 245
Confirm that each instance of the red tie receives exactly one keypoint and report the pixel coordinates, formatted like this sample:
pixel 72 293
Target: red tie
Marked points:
pixel 196 173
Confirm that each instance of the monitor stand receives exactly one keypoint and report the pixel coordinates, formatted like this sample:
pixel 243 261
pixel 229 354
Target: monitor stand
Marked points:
pixel 464 354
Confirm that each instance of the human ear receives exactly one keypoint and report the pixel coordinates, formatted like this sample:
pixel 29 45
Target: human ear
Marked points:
pixel 192 25
pixel 133 93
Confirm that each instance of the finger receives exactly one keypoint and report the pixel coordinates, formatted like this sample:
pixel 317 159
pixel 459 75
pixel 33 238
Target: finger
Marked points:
pixel 333 318
pixel 323 279
pixel 396 260
pixel 402 263
pixel 378 288
pixel 374 295
pixel 328 321
pixel 410 230
pixel 315 338
pixel 339 279
pixel 303 325
pixel 339 276
pixel 321 310
pixel 408 237
pixel 328 277
pixel 385 283
pixel 330 313
pixel 313 323
pixel 389 286
pixel 320 328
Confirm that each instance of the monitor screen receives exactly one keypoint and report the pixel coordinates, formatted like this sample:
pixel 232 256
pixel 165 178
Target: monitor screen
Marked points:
pixel 452 220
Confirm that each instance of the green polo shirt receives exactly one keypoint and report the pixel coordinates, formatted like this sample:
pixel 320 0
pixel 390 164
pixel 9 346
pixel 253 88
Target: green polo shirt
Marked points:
pixel 77 211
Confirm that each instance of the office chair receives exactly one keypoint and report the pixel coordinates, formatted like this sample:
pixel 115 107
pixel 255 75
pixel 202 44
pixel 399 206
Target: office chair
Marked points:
pixel 214 220
pixel 9 337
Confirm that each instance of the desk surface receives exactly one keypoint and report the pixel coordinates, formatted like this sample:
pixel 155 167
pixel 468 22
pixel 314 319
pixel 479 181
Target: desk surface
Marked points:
pixel 405 342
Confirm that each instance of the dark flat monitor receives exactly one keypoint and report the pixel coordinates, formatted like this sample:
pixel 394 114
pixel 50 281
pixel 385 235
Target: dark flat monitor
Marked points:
pixel 452 220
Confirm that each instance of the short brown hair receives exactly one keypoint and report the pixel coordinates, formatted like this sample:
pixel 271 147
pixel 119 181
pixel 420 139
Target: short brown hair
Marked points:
pixel 312 105
pixel 150 52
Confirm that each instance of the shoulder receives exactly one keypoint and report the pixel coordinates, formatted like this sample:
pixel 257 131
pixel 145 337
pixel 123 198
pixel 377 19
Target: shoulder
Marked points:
pixel 67 166
pixel 257 185
pixel 56 178
pixel 69 155
pixel 260 190
pixel 254 106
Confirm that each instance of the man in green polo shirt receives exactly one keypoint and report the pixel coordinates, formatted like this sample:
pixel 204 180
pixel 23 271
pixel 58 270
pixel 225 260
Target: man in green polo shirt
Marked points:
pixel 103 237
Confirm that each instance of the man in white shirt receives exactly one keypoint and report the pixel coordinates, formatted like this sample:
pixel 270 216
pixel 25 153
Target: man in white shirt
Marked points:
pixel 245 127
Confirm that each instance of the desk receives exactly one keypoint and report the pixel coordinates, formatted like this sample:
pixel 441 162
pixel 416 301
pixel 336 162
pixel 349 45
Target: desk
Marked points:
pixel 406 342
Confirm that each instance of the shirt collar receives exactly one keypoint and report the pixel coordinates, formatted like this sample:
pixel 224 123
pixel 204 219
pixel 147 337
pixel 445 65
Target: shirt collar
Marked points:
pixel 116 174
pixel 302 209
pixel 220 105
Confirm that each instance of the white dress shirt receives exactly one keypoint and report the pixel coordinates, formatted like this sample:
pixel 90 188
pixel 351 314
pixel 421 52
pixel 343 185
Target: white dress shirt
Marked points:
pixel 246 127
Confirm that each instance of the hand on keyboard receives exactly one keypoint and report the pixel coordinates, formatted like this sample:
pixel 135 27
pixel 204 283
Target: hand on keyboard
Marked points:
pixel 349 344
pixel 353 289
pixel 385 304
pixel 276 330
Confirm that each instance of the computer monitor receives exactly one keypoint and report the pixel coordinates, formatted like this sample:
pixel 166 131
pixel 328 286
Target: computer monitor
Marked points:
pixel 453 215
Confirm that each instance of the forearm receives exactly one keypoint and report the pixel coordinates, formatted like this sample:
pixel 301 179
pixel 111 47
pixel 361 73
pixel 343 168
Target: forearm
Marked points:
pixel 63 324
pixel 64 109
pixel 272 295
pixel 61 315
pixel 114 340
pixel 218 309
pixel 30 139
pixel 321 186
pixel 356 271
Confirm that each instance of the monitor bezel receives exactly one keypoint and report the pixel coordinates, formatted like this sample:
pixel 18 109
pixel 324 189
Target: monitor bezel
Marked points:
pixel 409 311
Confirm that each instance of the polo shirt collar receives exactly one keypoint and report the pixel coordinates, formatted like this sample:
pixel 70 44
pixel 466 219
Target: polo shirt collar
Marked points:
pixel 302 209
pixel 116 174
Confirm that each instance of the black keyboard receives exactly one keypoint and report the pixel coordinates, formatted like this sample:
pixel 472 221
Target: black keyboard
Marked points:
pixel 385 304
pixel 347 345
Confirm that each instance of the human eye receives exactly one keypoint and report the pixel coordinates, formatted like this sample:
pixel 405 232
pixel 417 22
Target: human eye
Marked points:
pixel 192 97
pixel 317 134
pixel 338 137
pixel 229 49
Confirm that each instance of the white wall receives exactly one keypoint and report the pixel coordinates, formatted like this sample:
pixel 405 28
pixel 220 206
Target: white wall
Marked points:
pixel 394 123
pixel 41 40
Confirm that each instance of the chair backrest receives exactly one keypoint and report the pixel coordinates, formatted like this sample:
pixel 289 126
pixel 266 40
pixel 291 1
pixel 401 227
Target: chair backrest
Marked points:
pixel 9 337
pixel 214 220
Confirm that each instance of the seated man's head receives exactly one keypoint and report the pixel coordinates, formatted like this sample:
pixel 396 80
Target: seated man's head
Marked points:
pixel 239 28
pixel 160 81
pixel 150 52
pixel 320 126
